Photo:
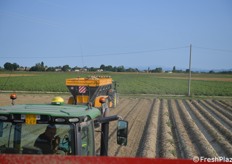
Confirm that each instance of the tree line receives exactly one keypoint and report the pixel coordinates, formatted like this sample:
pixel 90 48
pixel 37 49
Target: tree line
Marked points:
pixel 41 67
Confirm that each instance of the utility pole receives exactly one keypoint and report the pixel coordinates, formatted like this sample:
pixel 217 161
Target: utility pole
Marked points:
pixel 190 62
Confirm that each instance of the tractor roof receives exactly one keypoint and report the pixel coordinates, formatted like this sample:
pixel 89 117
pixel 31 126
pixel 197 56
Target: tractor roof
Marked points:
pixel 52 110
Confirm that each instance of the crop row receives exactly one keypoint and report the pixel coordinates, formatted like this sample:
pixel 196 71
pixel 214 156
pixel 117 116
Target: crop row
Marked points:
pixel 140 83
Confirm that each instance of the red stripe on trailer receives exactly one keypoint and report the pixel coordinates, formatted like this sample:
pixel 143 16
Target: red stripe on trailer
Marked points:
pixel 82 89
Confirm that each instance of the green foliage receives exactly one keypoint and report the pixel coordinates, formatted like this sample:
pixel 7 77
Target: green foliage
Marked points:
pixel 149 84
pixel 11 67
pixel 157 70
pixel 66 68
pixel 112 69
pixel 129 83
pixel 38 67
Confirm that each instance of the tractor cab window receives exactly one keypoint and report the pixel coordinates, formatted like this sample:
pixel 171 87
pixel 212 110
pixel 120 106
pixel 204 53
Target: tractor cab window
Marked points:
pixel 87 138
pixel 20 138
pixel 6 136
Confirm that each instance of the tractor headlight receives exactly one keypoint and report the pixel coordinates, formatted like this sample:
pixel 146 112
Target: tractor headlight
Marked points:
pixel 73 120
pixel 59 120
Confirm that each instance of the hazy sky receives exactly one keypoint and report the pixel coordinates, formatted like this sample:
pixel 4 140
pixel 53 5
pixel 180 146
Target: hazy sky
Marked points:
pixel 132 33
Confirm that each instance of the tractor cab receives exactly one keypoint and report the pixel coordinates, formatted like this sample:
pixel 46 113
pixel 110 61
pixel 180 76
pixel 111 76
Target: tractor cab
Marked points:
pixel 24 129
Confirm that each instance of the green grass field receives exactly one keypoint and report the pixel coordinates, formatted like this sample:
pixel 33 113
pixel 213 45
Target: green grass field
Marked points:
pixel 129 83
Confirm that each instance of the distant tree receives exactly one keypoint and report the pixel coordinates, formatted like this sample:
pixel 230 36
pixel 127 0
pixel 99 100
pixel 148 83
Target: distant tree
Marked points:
pixel 65 68
pixel 174 69
pixel 75 68
pixel 92 69
pixel 109 68
pixel 15 66
pixel 106 68
pixel 157 70
pixel 50 69
pixel 132 70
pixel 114 69
pixel 102 67
pixel 179 71
pixel 11 67
pixel 226 72
pixel 211 71
pixel 121 69
pixel 58 67
pixel 8 66
pixel 38 67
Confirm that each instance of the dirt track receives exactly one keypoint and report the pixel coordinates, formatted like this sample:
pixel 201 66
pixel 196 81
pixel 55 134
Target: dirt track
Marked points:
pixel 165 128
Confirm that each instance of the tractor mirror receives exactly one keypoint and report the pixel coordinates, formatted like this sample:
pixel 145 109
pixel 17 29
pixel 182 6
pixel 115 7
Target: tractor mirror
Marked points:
pixel 122 132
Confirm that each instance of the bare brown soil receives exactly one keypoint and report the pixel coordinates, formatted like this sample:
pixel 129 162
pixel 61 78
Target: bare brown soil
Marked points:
pixel 164 128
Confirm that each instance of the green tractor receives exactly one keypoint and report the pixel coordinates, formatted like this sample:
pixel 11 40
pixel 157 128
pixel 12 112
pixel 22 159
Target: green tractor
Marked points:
pixel 57 128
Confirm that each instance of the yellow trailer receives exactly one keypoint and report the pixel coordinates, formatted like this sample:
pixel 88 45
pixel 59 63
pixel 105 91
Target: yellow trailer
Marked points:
pixel 90 89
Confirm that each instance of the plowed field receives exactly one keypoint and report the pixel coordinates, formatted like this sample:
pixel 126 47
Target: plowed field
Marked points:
pixel 174 128
pixel 165 128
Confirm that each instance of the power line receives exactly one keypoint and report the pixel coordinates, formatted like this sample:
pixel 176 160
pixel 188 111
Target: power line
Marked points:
pixel 107 54
pixel 213 49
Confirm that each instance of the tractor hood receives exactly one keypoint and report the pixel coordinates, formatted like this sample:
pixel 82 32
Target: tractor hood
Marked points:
pixel 51 110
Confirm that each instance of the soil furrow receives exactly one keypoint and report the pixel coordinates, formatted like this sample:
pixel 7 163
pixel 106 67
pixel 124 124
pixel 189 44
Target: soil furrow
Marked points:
pixel 184 143
pixel 165 142
pixel 159 132
pixel 217 125
pixel 222 108
pixel 199 141
pixel 147 146
pixel 215 113
pixel 136 128
pixel 224 105
pixel 215 139
pixel 227 103
pixel 179 141
pixel 124 110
